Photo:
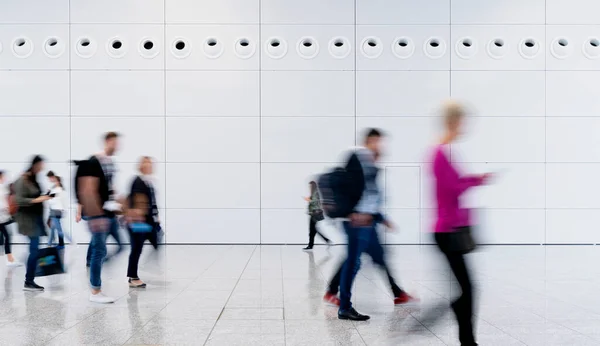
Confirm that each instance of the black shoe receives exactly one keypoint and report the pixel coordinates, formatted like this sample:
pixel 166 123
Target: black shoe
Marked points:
pixel 352 315
pixel 32 286
pixel 308 248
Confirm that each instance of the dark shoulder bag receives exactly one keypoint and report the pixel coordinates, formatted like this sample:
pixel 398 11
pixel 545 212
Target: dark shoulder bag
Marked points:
pixel 461 240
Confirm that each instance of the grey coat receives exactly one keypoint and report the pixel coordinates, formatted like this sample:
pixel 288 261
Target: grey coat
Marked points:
pixel 28 215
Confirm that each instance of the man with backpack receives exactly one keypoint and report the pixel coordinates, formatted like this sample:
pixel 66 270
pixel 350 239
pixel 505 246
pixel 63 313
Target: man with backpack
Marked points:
pixel 94 192
pixel 352 194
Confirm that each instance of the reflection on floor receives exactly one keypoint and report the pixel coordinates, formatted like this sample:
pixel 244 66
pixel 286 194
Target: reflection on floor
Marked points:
pixel 271 295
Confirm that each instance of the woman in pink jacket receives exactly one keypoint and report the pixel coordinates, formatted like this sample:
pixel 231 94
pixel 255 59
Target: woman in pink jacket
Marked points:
pixel 452 217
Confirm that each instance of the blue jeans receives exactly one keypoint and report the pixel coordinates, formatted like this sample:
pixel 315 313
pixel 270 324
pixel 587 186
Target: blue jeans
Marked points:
pixel 360 239
pixel 34 244
pixel 114 232
pixel 97 252
pixel 56 227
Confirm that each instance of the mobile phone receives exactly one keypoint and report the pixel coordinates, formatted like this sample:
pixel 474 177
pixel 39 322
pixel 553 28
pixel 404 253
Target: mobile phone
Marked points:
pixel 52 195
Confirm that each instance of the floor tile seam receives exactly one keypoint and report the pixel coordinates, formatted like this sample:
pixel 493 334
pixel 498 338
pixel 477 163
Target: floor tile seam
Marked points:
pixel 230 294
pixel 178 294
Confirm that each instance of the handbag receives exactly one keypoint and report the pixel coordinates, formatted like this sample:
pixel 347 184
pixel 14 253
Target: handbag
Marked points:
pixel 317 215
pixel 461 240
pixel 49 262
pixel 140 227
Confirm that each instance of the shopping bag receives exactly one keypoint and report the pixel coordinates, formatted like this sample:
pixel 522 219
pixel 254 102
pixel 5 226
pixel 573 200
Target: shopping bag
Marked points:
pixel 49 262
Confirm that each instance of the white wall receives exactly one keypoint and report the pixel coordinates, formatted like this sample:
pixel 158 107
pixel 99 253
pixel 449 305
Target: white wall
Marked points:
pixel 237 136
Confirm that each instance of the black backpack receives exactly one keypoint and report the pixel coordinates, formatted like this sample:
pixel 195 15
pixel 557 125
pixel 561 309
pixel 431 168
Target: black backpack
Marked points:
pixel 334 198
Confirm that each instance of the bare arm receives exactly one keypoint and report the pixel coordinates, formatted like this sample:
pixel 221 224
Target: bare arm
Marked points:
pixel 89 198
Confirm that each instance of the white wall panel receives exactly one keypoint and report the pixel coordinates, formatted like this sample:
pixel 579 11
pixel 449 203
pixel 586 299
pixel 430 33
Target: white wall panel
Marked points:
pixel 24 137
pixel 572 93
pixel 212 93
pixel 223 11
pixel 407 93
pixel 213 185
pixel 510 226
pixel 573 139
pixel 307 93
pixel 572 226
pixel 224 226
pixel 306 139
pixel 44 93
pixel 292 37
pixel 307 12
pixel 486 55
pixel 139 136
pixel 116 11
pixel 402 12
pixel 402 187
pixel 572 185
pixel 288 87
pixel 101 53
pixel 284 185
pixel 514 186
pixel 20 11
pixel 507 93
pixel 572 47
pixel 418 38
pixel 572 12
pixel 28 47
pixel 209 139
pixel 407 227
pixel 408 139
pixel 117 93
pixel 515 139
pixel 498 12
pixel 212 47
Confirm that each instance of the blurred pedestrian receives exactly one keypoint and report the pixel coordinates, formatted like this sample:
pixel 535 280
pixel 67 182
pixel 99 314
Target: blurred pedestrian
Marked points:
pixel 315 213
pixel 30 216
pixel 142 202
pixel 453 224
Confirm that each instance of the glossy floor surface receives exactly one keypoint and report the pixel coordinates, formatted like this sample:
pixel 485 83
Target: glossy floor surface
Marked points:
pixel 271 295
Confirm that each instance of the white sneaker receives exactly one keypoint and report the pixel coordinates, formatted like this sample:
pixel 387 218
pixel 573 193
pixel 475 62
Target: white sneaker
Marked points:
pixel 100 298
pixel 13 264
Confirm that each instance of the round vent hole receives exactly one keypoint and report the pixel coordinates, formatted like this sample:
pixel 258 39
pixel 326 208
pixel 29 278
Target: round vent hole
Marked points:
pixel 372 43
pixel 212 43
pixel 117 45
pixel 244 43
pixel 179 45
pixel 434 43
pixel 307 43
pixel 529 43
pixel 275 43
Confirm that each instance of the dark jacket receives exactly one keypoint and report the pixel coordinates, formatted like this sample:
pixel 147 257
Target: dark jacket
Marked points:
pixel 139 186
pixel 92 168
pixel 26 190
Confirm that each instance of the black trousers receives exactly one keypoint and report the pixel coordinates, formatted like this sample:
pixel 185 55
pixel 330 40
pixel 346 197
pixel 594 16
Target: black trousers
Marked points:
pixel 5 238
pixel 463 305
pixel 313 232
pixel 137 244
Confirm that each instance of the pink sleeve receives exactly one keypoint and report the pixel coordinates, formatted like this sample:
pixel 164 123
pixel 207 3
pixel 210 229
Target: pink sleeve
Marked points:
pixel 448 177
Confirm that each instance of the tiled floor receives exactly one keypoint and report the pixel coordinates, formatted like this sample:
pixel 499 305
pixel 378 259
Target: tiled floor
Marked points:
pixel 271 295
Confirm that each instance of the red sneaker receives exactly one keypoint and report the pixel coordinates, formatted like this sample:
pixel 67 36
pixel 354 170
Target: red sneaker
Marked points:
pixel 331 299
pixel 404 298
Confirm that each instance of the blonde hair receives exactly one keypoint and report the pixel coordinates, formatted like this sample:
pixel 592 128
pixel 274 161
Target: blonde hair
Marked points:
pixel 453 113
